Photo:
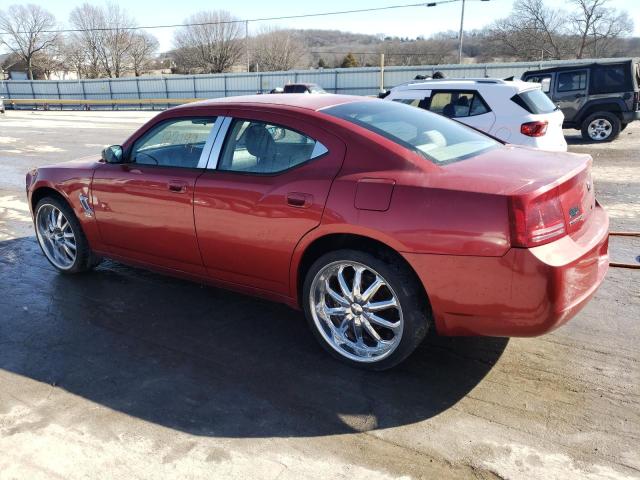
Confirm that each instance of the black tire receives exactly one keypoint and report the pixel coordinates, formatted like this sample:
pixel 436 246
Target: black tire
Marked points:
pixel 85 258
pixel 605 117
pixel 416 312
pixel 623 126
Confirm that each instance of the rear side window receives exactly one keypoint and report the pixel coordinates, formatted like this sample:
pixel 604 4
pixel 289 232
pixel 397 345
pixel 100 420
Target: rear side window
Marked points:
pixel 414 102
pixel 258 147
pixel 610 79
pixel 436 138
pixel 458 104
pixel 534 101
pixel 570 81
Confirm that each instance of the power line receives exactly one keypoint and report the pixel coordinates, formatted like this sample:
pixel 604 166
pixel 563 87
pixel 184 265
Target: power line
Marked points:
pixel 261 19
pixel 386 54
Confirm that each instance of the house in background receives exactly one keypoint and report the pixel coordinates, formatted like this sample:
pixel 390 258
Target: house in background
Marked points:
pixel 14 68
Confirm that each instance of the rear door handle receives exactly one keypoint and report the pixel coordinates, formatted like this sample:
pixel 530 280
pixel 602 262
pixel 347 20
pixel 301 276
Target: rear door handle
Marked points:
pixel 299 200
pixel 177 186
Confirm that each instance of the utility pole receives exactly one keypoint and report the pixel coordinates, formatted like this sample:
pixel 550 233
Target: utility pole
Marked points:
pixel 381 72
pixel 461 29
pixel 246 43
pixel 461 33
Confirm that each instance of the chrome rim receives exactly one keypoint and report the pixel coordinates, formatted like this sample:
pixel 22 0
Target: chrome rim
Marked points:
pixel 599 129
pixel 56 236
pixel 356 311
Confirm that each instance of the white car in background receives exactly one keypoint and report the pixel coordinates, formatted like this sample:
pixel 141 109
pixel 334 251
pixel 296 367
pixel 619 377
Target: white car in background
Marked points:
pixel 514 111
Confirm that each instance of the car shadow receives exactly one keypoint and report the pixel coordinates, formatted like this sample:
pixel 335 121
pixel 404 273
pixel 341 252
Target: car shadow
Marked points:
pixel 207 361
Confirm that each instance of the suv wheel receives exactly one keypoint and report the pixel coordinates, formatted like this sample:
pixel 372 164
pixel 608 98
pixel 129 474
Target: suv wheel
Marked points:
pixel 601 127
pixel 365 310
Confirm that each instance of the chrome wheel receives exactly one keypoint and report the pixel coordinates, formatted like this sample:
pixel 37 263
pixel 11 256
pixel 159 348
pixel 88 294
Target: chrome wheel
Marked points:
pixel 356 311
pixel 56 236
pixel 600 129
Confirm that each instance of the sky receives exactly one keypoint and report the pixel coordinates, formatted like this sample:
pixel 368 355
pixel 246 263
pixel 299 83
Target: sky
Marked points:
pixel 405 22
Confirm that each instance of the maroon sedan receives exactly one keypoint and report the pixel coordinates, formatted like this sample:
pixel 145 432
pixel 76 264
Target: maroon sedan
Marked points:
pixel 379 220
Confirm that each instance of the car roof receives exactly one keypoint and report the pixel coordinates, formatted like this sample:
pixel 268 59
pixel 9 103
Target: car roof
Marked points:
pixel 470 83
pixel 575 66
pixel 299 100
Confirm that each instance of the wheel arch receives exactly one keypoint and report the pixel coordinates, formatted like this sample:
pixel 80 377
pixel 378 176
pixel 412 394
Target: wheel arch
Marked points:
pixel 608 105
pixel 46 191
pixel 328 242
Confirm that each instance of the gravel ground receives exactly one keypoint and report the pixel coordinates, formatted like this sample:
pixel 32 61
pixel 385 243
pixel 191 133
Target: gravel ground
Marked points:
pixel 125 374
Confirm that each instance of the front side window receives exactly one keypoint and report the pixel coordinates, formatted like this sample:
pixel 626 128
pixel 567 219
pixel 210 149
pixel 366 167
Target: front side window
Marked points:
pixel 570 81
pixel 437 139
pixel 174 143
pixel 458 104
pixel 259 147
pixel 544 80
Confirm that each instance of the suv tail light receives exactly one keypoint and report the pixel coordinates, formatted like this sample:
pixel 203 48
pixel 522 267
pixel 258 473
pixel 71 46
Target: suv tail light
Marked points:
pixel 534 129
pixel 636 100
pixel 536 221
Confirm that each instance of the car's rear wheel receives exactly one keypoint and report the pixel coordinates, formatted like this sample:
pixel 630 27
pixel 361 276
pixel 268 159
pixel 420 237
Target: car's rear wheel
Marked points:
pixel 365 310
pixel 61 237
pixel 601 127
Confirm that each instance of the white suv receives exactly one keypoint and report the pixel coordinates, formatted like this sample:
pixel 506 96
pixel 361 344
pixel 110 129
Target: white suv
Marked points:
pixel 514 111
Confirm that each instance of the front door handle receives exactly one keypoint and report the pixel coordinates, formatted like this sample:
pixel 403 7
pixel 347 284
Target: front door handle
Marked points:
pixel 299 200
pixel 177 187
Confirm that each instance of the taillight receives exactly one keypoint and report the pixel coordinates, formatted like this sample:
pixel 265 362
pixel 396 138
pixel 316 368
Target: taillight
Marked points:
pixel 536 221
pixel 636 100
pixel 534 129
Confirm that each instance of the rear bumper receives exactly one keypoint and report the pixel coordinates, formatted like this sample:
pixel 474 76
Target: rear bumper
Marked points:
pixel 630 116
pixel 527 292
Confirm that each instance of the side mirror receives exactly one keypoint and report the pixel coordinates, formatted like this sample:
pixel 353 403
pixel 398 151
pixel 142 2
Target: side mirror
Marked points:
pixel 112 154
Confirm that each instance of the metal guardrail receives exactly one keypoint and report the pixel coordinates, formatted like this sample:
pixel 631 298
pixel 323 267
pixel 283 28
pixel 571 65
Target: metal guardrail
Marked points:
pixel 86 104
pixel 625 265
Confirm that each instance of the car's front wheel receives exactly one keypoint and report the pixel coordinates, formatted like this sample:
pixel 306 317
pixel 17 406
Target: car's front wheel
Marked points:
pixel 601 127
pixel 365 310
pixel 61 237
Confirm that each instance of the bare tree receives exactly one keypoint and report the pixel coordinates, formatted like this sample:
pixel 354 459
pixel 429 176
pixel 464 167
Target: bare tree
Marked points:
pixel 118 40
pixel 276 50
pixel 75 57
pixel 143 47
pixel 90 20
pixel 533 30
pixel 595 25
pixel 214 37
pixel 27 32
pixel 107 34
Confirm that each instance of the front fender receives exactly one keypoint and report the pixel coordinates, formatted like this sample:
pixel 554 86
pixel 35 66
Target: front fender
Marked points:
pixel 70 184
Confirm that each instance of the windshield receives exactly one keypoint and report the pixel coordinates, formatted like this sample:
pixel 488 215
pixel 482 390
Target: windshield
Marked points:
pixel 436 138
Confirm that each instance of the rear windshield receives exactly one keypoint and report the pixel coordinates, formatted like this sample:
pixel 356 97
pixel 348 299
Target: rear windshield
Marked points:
pixel 534 101
pixel 436 138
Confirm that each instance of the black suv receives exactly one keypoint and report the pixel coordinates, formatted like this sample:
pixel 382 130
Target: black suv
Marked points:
pixel 599 99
